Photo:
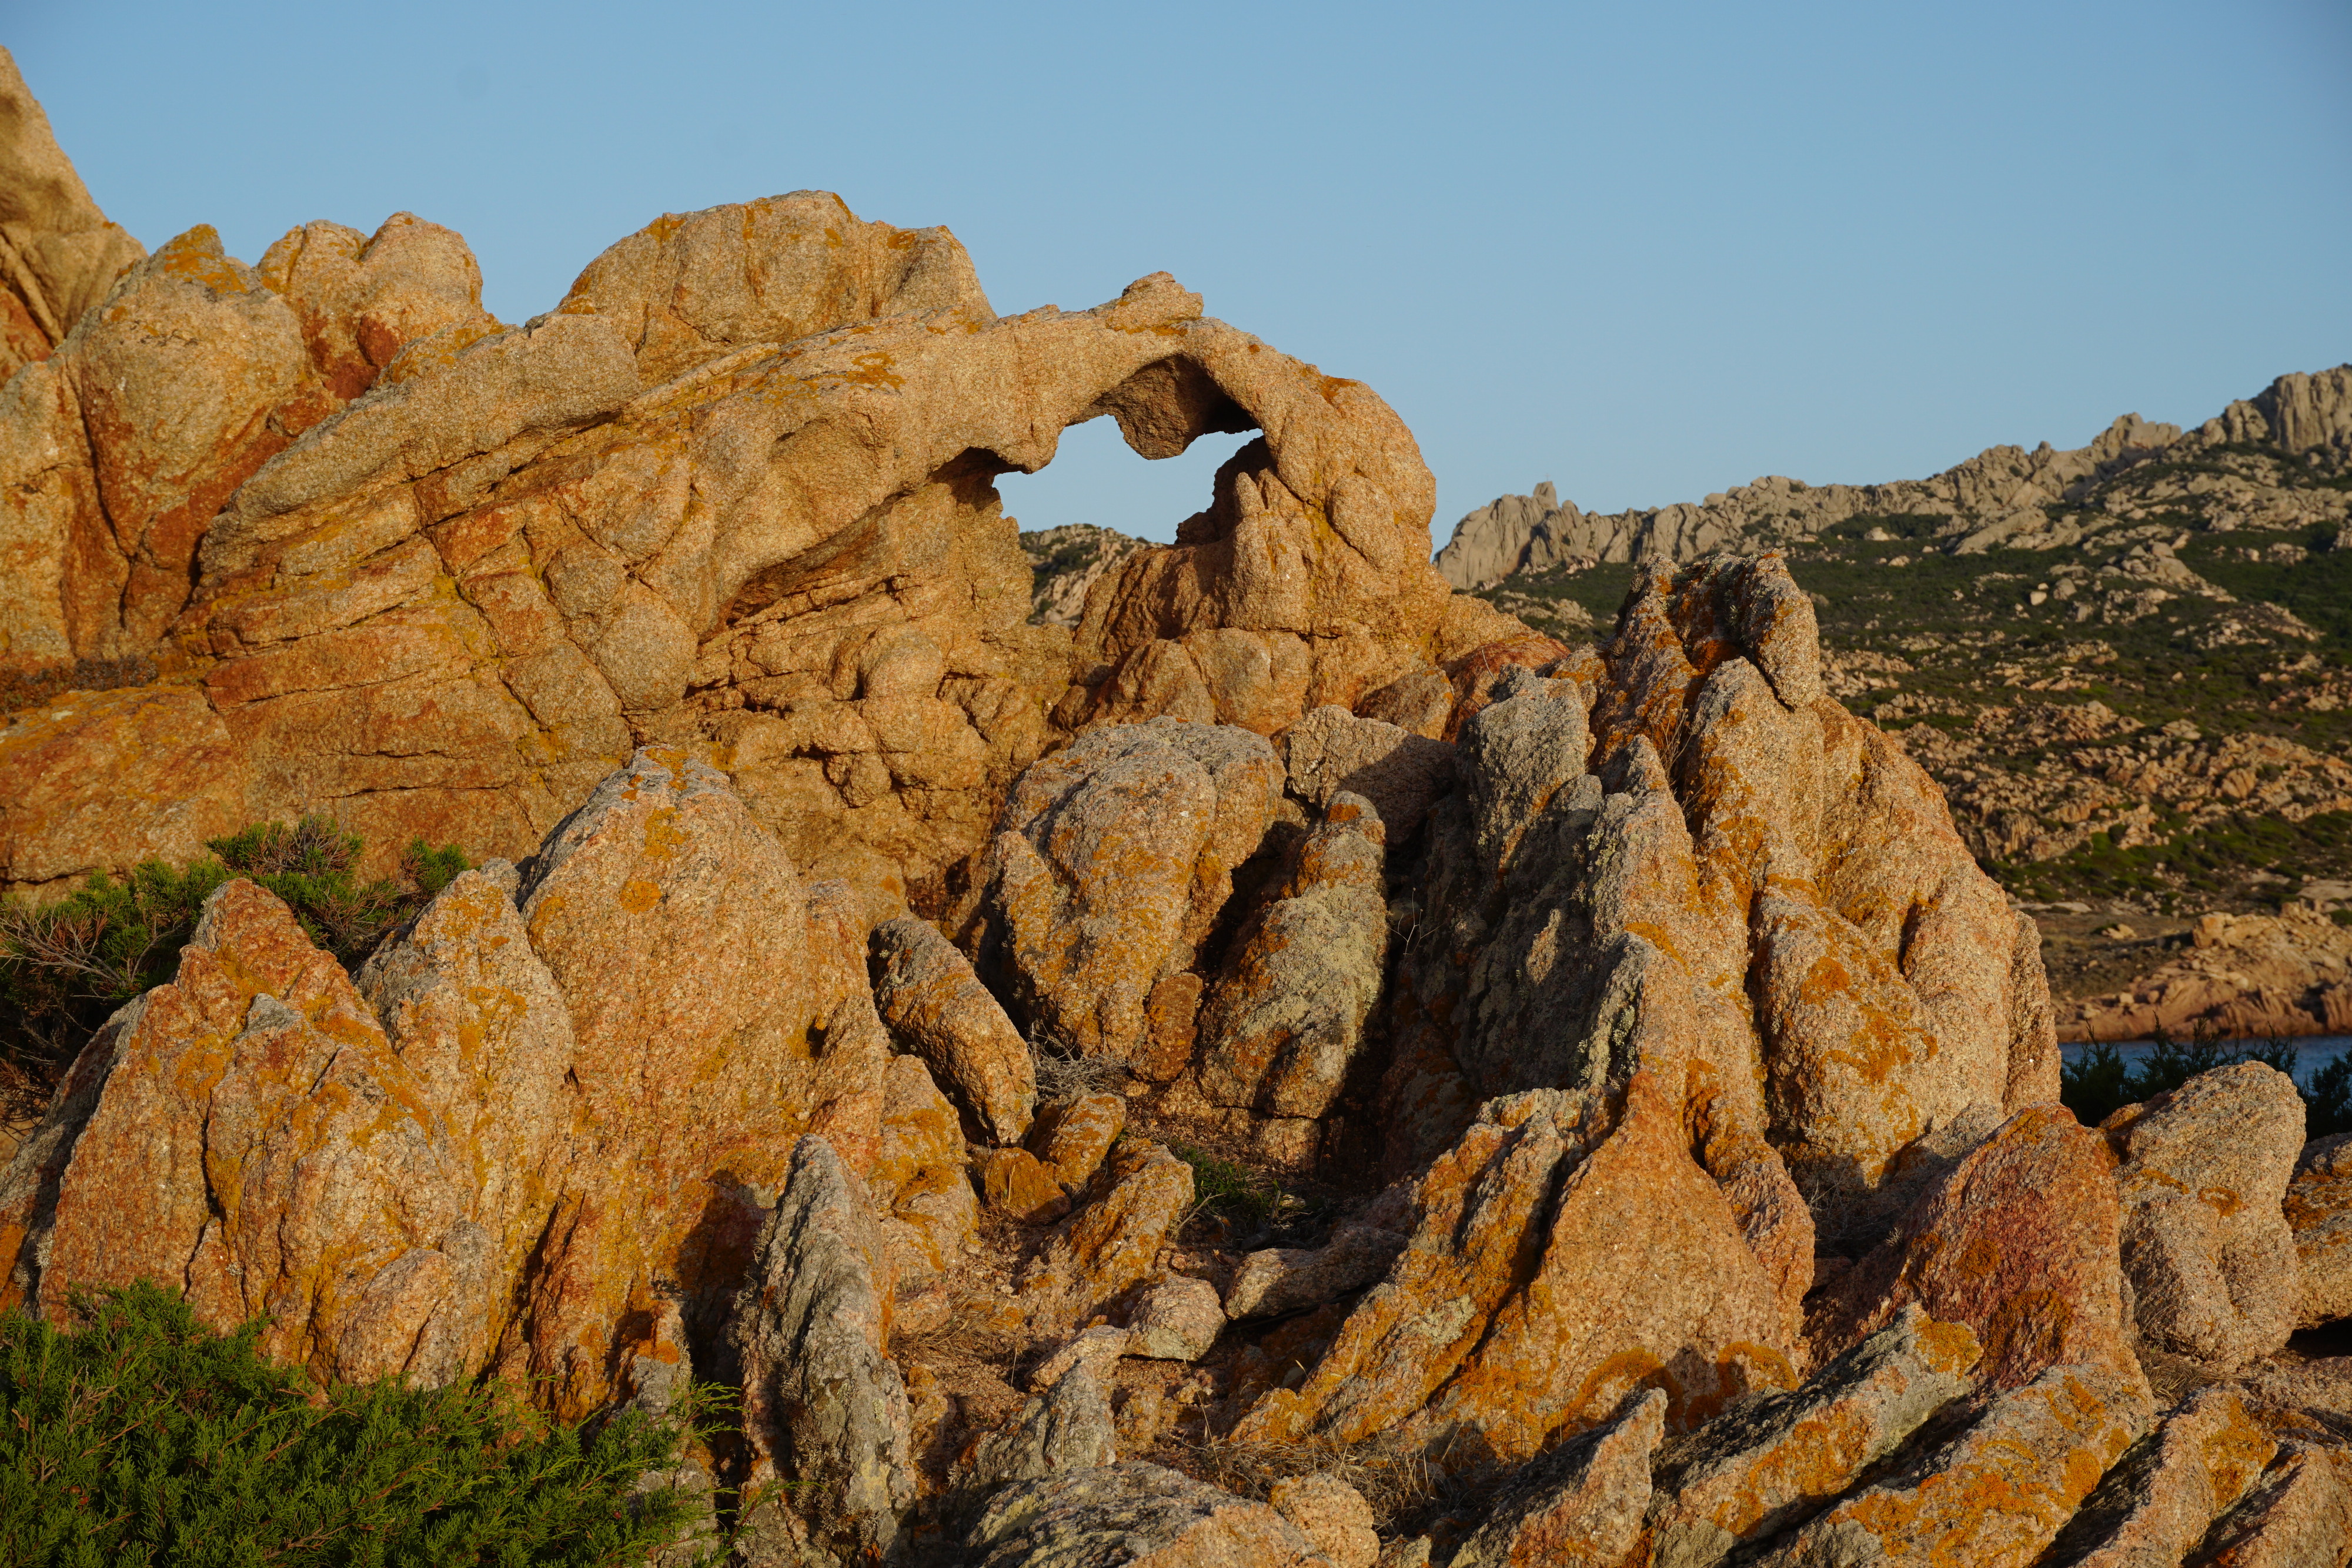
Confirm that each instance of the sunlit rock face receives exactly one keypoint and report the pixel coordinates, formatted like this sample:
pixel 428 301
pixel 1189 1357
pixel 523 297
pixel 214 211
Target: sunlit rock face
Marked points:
pixel 441 574
pixel 1288 1023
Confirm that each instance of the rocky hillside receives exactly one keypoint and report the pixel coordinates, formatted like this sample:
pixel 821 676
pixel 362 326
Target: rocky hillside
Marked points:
pixel 1068 561
pixel 2129 666
pixel 2271 463
pixel 1296 1068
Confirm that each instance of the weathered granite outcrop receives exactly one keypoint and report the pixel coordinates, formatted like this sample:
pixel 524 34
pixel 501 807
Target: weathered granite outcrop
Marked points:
pixel 58 254
pixel 809 1329
pixel 1285 1021
pixel 1580 1506
pixel 2021 1239
pixel 1110 863
pixel 2239 977
pixel 1996 1493
pixel 2318 1209
pixel 1706 958
pixel 248 1134
pixel 2161 1498
pixel 682 1143
pixel 734 493
pixel 503 1146
pixel 2207 1247
pixel 127 439
pixel 1673 1095
pixel 1758 1469
pixel 937 1008
pixel 1064 1430
pixel 1134 1514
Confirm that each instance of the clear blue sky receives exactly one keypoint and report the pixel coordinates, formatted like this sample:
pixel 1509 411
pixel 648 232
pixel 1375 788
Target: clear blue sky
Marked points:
pixel 1646 251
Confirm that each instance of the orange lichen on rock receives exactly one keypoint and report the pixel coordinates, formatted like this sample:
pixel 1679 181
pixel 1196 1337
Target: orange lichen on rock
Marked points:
pixel 1997 1494
pixel 2020 1240
pixel 2318 1210
pixel 1110 863
pixel 2158 1501
pixel 2203 1175
pixel 1766 1463
pixel 1563 1257
pixel 1113 1242
pixel 563 1107
pixel 285 1160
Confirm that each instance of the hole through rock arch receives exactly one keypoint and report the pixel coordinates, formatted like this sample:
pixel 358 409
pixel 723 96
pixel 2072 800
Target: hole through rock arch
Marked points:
pixel 1095 477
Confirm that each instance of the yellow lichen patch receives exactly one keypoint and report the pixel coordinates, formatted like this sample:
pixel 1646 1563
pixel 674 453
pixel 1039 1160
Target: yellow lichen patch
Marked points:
pixel 1878 1047
pixel 1606 1386
pixel 664 834
pixel 1814 1458
pixel 198 1067
pixel 638 895
pixel 2152 1176
pixel 2221 1199
pixel 1825 979
pixel 1978 1256
pixel 1658 935
pixel 2001 1490
pixel 2234 1455
pixel 873 370
pixel 1327 387
pixel 1949 1348
pixel 197 257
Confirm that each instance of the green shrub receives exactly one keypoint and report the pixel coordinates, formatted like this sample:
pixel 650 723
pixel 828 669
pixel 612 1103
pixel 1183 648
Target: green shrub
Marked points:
pixel 2096 1084
pixel 2099 1083
pixel 2327 1103
pixel 146 1438
pixel 312 866
pixel 67 963
pixel 1231 1192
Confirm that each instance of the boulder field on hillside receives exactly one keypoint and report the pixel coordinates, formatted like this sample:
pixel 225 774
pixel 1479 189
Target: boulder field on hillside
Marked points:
pixel 1673 1103
pixel 1297 1070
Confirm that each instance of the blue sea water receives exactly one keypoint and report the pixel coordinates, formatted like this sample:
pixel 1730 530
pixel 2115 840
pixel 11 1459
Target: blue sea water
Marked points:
pixel 2313 1051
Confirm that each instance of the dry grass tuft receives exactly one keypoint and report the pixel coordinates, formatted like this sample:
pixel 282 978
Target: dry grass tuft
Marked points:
pixel 1064 1075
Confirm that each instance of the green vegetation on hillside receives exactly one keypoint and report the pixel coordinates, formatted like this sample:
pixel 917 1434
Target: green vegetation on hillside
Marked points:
pixel 143 1437
pixel 2206 865
pixel 2050 723
pixel 66 963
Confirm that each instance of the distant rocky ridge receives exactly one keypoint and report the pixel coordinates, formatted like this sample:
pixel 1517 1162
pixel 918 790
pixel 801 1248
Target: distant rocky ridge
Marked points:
pixel 1066 563
pixel 2004 495
pixel 2129 666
